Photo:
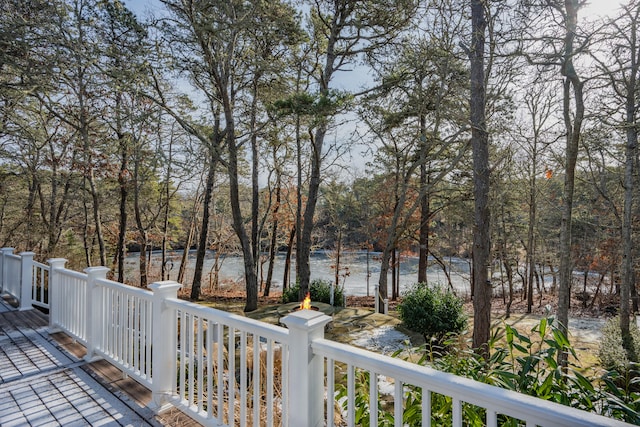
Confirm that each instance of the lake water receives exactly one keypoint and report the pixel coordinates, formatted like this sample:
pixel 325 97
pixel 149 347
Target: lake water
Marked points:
pixel 353 270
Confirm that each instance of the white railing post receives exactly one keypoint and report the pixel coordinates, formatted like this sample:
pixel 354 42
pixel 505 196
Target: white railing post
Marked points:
pixel 3 276
pixel 306 375
pixel 54 292
pixel 26 280
pixel 164 344
pixel 95 307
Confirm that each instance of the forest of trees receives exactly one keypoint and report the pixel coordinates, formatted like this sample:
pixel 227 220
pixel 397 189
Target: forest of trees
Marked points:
pixel 502 131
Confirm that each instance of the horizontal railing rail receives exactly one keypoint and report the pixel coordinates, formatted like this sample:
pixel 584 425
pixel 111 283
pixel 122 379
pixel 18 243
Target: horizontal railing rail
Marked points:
pixel 343 361
pixel 230 368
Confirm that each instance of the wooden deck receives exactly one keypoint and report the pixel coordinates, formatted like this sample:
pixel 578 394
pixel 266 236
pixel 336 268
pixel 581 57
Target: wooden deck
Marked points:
pixel 28 353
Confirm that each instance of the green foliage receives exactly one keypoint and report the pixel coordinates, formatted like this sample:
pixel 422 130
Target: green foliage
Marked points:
pixel 433 312
pixel 525 363
pixel 612 354
pixel 313 105
pixel 320 291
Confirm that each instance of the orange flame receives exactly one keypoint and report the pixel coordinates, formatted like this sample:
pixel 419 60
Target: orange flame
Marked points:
pixel 306 304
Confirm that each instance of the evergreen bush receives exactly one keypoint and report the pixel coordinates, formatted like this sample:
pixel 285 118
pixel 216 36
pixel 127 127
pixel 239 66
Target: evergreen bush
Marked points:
pixel 525 363
pixel 320 291
pixel 612 354
pixel 432 311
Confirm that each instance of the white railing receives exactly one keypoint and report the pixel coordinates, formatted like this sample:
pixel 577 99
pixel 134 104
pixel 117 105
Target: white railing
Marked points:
pixel 69 303
pixel 395 379
pixel 11 269
pixel 40 285
pixel 228 370
pixel 123 327
pixel 16 272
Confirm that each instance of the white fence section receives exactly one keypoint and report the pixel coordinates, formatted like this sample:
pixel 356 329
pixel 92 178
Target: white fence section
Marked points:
pixel 228 370
pixel 69 303
pixel 11 272
pixel 40 285
pixel 120 324
pixel 16 276
pixel 396 379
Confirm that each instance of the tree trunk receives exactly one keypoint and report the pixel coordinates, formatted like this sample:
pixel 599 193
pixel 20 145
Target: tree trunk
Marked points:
pixel 509 271
pixel 30 211
pixel 628 288
pixel 274 239
pixel 531 259
pixel 303 252
pixel 142 232
pixel 142 259
pixel 184 261
pixel 337 265
pixel 165 222
pixel 628 274
pixel 196 284
pixel 84 132
pixel 573 125
pixel 250 271
pixel 423 254
pixel 383 278
pixel 287 259
pixel 394 278
pixel 482 290
pixel 397 289
pixel 123 181
pixel 634 297
pixel 255 194
pixel 296 231
pixel 56 213
pixel 86 241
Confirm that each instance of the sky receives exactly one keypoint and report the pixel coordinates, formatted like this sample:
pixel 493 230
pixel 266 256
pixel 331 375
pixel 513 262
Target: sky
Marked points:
pixel 595 7
pixel 354 80
pixel 601 7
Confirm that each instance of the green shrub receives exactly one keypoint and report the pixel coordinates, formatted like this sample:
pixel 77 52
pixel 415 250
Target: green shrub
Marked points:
pixel 613 356
pixel 526 363
pixel 432 312
pixel 320 291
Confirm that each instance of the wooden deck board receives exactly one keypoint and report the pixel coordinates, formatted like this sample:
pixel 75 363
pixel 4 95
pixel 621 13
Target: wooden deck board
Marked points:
pixel 13 321
pixel 109 376
pixel 115 381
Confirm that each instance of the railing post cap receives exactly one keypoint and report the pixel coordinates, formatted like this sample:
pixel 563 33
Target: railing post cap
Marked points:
pixel 57 262
pixel 96 270
pixel 306 319
pixel 165 286
pixel 7 249
pixel 28 253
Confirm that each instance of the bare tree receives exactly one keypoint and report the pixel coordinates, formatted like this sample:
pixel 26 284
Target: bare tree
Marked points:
pixel 343 31
pixel 573 114
pixel 619 61
pixel 482 290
